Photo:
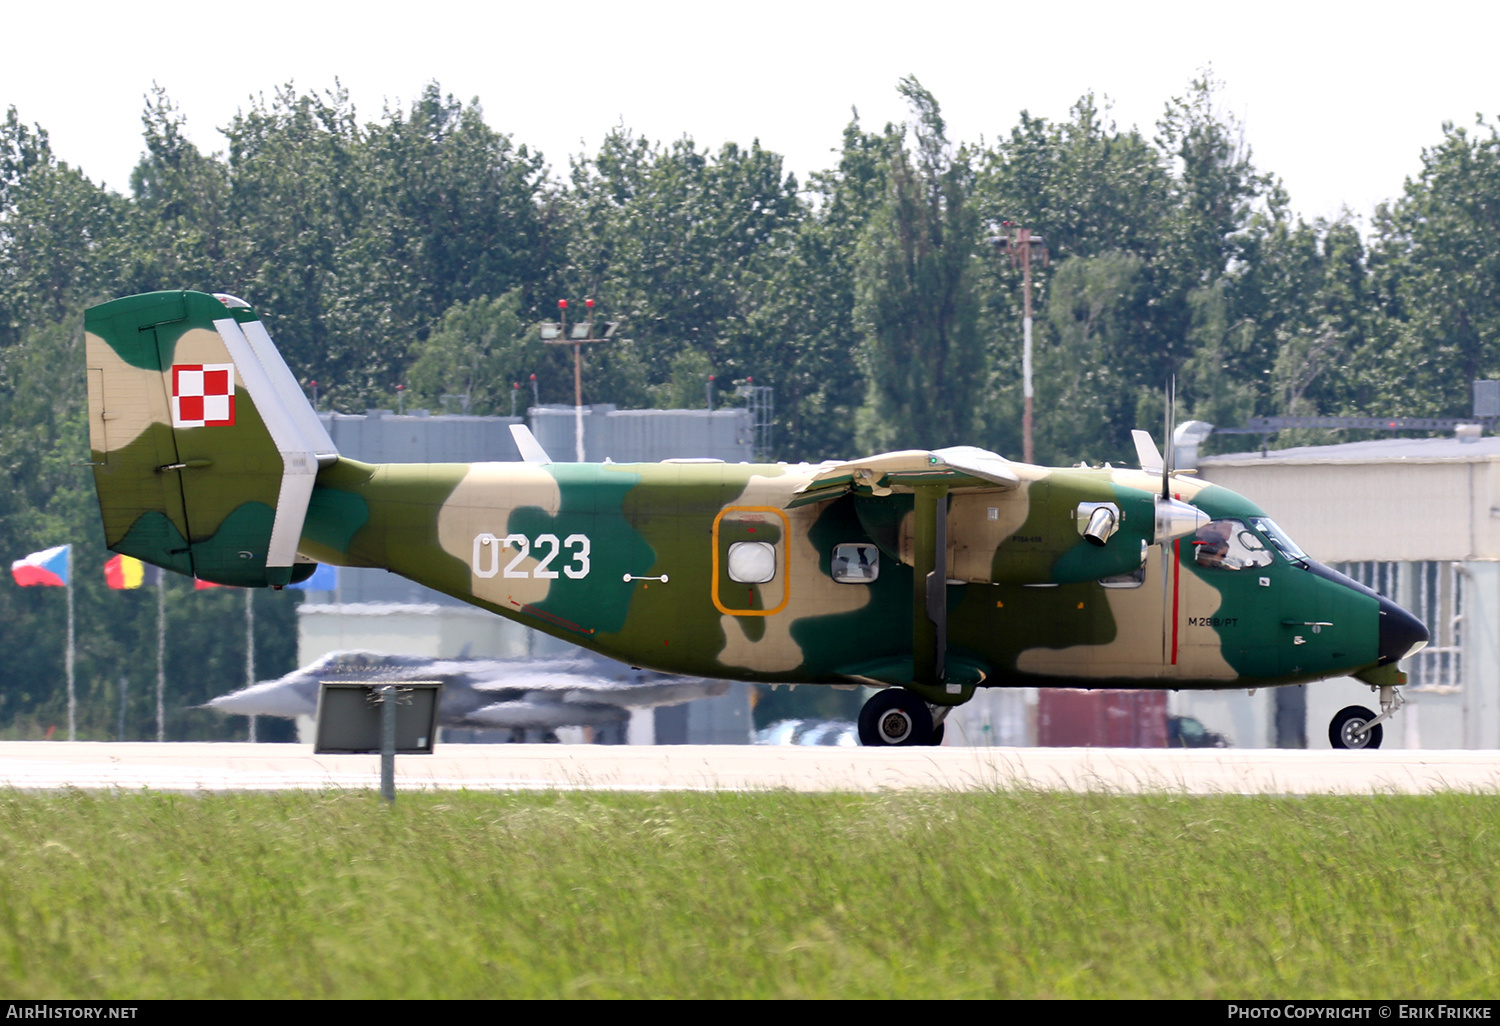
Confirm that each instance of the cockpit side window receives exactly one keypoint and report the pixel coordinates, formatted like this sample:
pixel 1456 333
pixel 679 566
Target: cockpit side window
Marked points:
pixel 1229 545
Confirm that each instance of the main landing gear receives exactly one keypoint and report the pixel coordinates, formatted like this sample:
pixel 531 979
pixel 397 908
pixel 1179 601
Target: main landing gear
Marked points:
pixel 1357 727
pixel 898 717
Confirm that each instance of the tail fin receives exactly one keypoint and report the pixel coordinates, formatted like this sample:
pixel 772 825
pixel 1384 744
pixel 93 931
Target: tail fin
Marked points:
pixel 205 451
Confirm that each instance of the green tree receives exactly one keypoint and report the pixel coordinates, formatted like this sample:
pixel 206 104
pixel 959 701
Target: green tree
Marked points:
pixel 680 245
pixel 1080 374
pixel 802 335
pixel 923 359
pixel 479 351
pixel 21 150
pixel 64 242
pixel 1436 270
pixel 184 197
pixel 296 202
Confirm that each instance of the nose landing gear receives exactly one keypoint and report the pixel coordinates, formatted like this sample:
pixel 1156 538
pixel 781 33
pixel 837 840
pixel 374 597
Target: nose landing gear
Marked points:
pixel 1357 727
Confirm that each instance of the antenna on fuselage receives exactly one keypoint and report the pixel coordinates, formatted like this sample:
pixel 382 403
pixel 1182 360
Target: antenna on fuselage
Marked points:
pixel 531 450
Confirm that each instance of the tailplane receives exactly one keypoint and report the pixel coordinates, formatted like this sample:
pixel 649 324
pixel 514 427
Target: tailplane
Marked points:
pixel 205 450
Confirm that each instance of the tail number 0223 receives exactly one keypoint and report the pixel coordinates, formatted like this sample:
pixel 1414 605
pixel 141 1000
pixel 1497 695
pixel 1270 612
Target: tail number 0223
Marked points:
pixel 487 555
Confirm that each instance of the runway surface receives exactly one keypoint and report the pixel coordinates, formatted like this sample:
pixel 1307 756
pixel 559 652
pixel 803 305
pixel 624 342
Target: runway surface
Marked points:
pixel 192 767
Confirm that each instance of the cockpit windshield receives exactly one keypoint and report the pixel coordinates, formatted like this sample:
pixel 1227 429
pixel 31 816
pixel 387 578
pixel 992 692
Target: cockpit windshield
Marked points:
pixel 1280 539
pixel 1229 545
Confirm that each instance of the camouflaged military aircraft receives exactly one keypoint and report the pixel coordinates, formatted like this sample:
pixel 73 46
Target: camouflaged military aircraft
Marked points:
pixel 930 573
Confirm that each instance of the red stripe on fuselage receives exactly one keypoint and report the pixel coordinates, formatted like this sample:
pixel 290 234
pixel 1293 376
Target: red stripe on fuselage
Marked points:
pixel 1176 576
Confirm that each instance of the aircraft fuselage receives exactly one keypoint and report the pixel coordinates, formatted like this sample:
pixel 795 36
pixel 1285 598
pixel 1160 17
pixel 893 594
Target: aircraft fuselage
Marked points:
pixel 637 561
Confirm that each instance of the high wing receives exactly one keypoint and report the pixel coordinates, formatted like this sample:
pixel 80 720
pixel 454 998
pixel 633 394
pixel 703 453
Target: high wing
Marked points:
pixel 959 467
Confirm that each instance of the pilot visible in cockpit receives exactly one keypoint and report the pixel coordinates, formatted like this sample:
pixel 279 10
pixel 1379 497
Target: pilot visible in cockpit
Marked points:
pixel 1212 546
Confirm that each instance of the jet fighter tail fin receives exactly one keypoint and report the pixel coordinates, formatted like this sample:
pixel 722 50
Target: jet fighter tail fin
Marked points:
pixel 204 449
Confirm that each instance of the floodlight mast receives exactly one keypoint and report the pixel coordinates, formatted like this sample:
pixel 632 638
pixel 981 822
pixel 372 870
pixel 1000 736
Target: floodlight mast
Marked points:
pixel 582 332
pixel 1024 247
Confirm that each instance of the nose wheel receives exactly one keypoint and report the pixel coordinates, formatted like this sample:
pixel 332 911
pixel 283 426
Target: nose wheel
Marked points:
pixel 1356 727
pixel 1352 728
pixel 896 717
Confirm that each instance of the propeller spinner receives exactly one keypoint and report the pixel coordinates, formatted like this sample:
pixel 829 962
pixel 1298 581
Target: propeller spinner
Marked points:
pixel 1174 518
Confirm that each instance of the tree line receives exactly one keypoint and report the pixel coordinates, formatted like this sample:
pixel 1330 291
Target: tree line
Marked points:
pixel 420 250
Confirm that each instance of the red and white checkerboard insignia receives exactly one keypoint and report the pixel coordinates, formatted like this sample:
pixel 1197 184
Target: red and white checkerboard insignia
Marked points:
pixel 202 395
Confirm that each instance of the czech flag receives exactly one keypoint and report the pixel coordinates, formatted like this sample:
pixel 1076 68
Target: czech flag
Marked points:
pixel 50 566
pixel 129 572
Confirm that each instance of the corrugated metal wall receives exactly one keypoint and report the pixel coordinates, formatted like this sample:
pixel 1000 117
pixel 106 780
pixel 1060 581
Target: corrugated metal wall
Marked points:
pixel 379 436
pixel 645 436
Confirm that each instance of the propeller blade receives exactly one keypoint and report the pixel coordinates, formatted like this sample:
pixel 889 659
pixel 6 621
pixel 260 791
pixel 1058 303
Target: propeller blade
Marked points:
pixel 1166 466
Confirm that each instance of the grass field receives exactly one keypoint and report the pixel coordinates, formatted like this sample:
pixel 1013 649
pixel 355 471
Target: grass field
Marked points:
pixel 747 895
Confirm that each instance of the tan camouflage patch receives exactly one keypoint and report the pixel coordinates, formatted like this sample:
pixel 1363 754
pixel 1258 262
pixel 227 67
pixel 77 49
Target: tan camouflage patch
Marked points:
pixel 472 527
pixel 123 400
pixel 1199 651
pixel 1184 486
pixel 811 593
pixel 201 345
pixel 1142 645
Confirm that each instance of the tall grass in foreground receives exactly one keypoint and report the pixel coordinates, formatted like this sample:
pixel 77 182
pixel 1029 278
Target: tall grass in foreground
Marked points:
pixel 731 895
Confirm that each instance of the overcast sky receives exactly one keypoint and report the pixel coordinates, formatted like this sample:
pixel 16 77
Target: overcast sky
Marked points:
pixel 1337 99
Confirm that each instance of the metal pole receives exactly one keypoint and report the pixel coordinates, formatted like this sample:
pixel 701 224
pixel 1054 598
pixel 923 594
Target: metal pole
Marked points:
pixel 161 657
pixel 72 700
pixel 578 400
pixel 1027 452
pixel 387 742
pixel 124 690
pixel 250 647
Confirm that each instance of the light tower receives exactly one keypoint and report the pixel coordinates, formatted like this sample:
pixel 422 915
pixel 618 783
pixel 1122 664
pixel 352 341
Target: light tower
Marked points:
pixel 1024 247
pixel 557 333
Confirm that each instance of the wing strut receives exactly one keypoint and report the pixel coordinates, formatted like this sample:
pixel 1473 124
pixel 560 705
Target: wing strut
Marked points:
pixel 930 585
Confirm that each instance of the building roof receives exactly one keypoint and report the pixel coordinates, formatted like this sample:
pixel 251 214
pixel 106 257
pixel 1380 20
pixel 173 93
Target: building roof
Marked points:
pixel 1379 450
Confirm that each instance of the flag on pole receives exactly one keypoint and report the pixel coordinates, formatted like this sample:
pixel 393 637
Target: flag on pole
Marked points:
pixel 129 572
pixel 50 566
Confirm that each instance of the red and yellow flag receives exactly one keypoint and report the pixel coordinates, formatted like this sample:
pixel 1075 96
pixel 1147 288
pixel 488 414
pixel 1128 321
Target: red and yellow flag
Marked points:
pixel 129 572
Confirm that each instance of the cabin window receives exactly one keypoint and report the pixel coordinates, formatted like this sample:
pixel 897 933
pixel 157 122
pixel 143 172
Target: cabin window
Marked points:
pixel 1229 545
pixel 855 563
pixel 752 562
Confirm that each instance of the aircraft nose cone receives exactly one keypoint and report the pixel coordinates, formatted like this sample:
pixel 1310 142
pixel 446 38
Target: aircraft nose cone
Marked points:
pixel 1401 634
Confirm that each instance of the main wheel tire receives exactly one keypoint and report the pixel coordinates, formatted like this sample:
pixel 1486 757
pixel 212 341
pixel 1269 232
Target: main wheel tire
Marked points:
pixel 1343 731
pixel 937 735
pixel 895 717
